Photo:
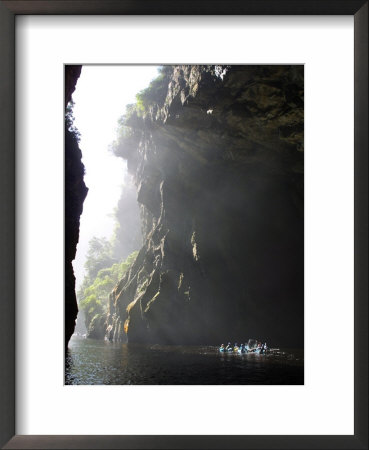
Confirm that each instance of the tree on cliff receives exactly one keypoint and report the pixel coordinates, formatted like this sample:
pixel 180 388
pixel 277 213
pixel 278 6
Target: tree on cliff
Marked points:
pixel 99 256
pixel 94 293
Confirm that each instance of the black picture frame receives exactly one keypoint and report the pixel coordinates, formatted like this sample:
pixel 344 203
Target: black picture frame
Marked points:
pixel 8 12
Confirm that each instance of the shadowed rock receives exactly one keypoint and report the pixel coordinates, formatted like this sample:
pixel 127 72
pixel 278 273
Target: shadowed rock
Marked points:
pixel 218 163
pixel 75 193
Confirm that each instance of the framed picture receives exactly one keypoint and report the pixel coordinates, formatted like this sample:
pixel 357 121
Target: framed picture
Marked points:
pixel 328 406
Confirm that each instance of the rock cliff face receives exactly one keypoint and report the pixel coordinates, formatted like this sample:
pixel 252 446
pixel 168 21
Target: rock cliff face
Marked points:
pixel 218 163
pixel 75 193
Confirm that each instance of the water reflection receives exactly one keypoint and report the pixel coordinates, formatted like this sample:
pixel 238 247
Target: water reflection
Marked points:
pixel 101 362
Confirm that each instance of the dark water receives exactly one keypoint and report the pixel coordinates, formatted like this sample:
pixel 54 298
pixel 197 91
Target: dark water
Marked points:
pixel 101 362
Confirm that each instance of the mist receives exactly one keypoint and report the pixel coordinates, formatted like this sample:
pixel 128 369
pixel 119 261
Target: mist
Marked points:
pixel 102 93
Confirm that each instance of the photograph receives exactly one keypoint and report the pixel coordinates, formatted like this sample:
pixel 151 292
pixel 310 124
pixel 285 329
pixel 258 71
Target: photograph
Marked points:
pixel 184 224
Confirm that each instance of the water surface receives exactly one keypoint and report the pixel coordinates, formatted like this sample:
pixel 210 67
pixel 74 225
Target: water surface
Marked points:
pixel 101 362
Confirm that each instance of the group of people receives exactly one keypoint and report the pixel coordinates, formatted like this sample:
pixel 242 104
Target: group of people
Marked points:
pixel 256 347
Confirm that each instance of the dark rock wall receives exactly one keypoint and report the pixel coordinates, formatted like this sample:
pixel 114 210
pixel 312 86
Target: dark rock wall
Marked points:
pixel 219 173
pixel 75 193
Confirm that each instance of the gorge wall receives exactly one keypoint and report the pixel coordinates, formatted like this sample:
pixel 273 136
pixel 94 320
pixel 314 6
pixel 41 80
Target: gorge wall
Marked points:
pixel 75 192
pixel 217 156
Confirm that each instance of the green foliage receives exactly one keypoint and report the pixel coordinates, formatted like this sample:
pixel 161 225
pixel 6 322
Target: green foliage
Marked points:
pixel 155 93
pixel 127 132
pixel 94 293
pixel 91 306
pixel 99 256
pixel 130 124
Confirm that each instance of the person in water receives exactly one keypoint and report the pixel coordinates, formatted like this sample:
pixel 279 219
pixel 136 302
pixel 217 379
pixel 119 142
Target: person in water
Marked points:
pixel 221 348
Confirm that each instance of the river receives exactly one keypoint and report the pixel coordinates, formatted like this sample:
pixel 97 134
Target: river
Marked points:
pixel 91 362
